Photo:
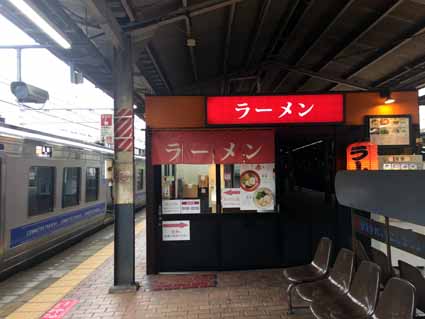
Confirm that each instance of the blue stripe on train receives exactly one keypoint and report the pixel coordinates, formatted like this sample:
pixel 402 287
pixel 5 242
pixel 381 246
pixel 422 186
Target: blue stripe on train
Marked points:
pixel 26 233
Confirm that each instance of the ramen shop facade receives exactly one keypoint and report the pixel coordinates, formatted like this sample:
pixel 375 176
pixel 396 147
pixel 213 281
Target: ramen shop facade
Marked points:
pixel 217 176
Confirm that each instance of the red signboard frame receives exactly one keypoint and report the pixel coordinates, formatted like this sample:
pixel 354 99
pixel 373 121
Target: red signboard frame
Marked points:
pixel 274 110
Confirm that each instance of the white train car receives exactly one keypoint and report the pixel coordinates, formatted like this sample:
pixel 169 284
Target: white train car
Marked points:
pixel 53 191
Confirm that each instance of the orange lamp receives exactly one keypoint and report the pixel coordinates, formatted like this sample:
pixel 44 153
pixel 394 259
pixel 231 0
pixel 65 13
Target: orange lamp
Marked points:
pixel 362 156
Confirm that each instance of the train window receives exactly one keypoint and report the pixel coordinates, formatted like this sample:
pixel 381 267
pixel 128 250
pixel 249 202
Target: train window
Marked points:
pixel 41 186
pixel 139 180
pixel 92 184
pixel 71 186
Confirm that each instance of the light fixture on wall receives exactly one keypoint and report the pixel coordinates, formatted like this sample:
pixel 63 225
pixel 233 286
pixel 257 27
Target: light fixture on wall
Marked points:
pixel 386 94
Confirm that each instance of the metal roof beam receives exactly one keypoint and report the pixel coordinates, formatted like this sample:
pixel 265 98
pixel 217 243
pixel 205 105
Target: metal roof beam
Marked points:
pixel 414 82
pixel 253 43
pixel 418 30
pixel 104 16
pixel 282 28
pixel 158 69
pixel 319 38
pixel 403 70
pixel 178 15
pixel 227 43
pixel 188 23
pixel 237 75
pixel 357 37
pixel 322 76
pixel 297 25
pixel 128 10
pixel 261 19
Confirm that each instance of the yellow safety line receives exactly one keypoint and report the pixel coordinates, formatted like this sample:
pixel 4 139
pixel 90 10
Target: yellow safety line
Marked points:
pixel 46 299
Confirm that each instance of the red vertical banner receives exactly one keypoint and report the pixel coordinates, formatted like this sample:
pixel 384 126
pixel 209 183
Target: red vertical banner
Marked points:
pixel 124 130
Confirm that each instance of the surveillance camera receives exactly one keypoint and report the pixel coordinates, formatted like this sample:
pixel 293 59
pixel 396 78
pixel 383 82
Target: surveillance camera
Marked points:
pixel 26 93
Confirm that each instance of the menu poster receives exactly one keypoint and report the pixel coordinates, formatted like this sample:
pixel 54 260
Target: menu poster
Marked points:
pixel 390 130
pixel 258 191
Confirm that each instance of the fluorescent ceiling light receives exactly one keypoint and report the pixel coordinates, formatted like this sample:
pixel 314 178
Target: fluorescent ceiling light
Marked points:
pixel 22 6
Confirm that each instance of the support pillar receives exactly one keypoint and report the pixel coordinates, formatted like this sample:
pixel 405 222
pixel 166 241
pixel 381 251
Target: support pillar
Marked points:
pixel 124 244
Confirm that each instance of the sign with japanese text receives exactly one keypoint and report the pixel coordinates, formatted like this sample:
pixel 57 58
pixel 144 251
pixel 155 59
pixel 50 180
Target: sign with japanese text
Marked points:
pixel 287 109
pixel 191 206
pixel 208 147
pixel 231 198
pixel 404 239
pixel 257 182
pixel 362 156
pixel 170 206
pixel 401 162
pixel 176 230
pixel 106 129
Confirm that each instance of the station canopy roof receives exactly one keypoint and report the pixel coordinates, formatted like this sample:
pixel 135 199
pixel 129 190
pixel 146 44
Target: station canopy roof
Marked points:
pixel 215 47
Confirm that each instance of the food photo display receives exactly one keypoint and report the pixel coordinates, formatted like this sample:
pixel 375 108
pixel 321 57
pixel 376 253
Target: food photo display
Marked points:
pixel 257 184
pixel 389 130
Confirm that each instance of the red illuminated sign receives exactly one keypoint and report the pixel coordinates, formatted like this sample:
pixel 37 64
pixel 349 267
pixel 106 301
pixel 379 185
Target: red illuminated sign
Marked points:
pixel 287 109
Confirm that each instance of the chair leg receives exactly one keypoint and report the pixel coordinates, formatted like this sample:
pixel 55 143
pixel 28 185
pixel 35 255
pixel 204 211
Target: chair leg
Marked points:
pixel 289 292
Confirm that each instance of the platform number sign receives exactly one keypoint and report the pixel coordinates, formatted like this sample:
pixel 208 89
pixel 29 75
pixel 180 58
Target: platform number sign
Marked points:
pixel 362 156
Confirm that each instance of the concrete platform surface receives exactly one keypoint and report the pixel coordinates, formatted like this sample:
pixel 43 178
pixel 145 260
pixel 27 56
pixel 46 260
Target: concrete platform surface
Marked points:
pixel 81 290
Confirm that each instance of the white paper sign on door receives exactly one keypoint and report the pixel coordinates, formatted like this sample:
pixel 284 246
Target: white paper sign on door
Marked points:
pixel 176 230
pixel 231 198
pixel 171 206
pixel 190 206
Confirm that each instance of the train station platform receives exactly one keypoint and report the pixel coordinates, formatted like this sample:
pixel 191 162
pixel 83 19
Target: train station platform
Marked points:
pixel 74 284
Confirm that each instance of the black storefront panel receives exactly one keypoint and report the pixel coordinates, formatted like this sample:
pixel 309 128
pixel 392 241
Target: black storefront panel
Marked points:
pixel 250 241
pixel 199 253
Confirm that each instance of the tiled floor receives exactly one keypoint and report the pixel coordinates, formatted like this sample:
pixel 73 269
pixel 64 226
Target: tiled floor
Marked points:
pixel 23 286
pixel 247 294
pixel 242 294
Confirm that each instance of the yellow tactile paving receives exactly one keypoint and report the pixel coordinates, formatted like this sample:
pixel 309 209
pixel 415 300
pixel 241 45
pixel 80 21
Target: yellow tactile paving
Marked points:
pixel 26 315
pixel 47 298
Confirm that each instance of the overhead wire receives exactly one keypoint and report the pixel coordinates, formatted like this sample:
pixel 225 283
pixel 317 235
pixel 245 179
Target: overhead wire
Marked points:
pixel 48 114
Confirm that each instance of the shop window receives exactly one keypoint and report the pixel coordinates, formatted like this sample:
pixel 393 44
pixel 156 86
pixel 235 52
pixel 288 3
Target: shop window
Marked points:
pixel 92 184
pixel 71 186
pixel 41 190
pixel 188 189
pixel 248 188
pixel 245 188
pixel 139 179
